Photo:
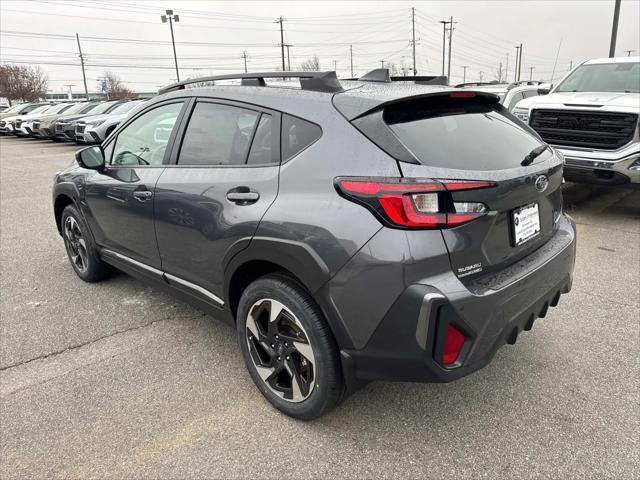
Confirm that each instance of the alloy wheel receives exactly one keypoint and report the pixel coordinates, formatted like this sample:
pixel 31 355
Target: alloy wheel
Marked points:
pixel 76 244
pixel 280 350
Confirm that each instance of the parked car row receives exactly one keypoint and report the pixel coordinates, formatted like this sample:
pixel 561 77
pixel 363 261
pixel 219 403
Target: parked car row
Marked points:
pixel 83 122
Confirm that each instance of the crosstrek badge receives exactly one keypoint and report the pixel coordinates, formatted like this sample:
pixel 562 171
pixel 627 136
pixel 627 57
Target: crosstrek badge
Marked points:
pixel 469 269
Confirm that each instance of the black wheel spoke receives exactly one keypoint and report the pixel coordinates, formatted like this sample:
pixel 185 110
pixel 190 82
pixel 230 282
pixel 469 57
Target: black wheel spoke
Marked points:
pixel 281 354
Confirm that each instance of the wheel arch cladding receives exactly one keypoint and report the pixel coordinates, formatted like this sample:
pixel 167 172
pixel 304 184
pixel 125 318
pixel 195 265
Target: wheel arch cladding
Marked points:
pixel 265 256
pixel 61 202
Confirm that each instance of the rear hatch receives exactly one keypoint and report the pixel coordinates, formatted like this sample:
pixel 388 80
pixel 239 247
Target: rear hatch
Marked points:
pixel 462 138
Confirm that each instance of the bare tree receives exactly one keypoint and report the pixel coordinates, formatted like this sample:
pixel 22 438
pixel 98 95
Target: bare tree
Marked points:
pixel 499 72
pixel 310 65
pixel 114 86
pixel 23 83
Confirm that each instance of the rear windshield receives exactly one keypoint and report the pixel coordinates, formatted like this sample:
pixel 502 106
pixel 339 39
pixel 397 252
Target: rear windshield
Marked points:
pixel 462 134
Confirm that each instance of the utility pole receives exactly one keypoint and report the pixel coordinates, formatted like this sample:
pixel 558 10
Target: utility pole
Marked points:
pixel 520 63
pixel 515 73
pixel 450 37
pixel 280 20
pixel 244 56
pixel 570 65
pixel 444 38
pixel 172 18
pixel 335 66
pixel 464 73
pixel 288 57
pixel 531 73
pixel 481 74
pixel 614 29
pixel 351 58
pixel 413 41
pixel 84 75
pixel 629 52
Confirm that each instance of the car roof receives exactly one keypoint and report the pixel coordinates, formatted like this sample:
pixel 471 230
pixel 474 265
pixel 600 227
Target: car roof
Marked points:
pixel 353 97
pixel 596 61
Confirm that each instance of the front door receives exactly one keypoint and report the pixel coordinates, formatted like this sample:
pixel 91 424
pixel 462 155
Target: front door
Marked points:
pixel 120 199
pixel 222 179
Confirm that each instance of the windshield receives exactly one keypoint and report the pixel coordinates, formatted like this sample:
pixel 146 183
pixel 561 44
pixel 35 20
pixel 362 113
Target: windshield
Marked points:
pixel 76 108
pixel 15 108
pixel 101 108
pixel 605 77
pixel 124 108
pixel 43 108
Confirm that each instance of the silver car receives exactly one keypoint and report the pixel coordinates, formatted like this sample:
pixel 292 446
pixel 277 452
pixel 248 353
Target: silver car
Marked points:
pixel 96 128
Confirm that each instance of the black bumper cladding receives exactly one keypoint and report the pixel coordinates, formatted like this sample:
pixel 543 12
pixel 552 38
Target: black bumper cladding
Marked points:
pixel 408 344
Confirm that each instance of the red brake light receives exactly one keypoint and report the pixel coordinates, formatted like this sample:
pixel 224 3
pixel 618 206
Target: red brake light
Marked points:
pixel 453 343
pixel 462 95
pixel 411 203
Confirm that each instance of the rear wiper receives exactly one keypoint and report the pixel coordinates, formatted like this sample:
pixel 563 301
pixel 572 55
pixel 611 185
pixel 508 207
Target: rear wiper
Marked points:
pixel 533 154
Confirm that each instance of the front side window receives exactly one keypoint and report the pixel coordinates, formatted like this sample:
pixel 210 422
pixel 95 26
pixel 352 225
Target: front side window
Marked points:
pixel 144 141
pixel 218 135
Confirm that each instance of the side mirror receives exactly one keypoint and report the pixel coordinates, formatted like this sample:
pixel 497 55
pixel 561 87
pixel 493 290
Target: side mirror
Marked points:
pixel 545 88
pixel 91 158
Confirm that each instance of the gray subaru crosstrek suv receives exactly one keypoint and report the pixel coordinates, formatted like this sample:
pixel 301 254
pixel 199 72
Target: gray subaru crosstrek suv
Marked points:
pixel 350 231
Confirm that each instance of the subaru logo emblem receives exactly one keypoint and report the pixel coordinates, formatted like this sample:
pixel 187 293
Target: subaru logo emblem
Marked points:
pixel 542 183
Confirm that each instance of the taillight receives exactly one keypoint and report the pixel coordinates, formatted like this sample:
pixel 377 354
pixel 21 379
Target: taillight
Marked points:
pixel 410 203
pixel 453 343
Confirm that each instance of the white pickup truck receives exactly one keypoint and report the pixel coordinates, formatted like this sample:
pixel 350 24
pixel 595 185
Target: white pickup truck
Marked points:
pixel 591 116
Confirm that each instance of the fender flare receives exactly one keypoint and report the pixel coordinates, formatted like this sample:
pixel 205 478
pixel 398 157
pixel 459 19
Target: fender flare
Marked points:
pixel 303 262
pixel 67 189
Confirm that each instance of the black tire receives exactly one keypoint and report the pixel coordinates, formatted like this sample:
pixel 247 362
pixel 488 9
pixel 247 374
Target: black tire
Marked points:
pixel 326 386
pixel 80 248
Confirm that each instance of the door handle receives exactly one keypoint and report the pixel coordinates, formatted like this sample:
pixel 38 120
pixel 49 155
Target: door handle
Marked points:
pixel 142 195
pixel 242 196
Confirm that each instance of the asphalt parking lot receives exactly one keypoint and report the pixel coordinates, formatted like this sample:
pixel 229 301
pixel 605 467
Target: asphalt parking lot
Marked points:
pixel 118 380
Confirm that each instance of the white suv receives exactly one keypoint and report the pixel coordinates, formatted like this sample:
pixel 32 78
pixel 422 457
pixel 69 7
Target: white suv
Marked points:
pixel 510 93
pixel 591 116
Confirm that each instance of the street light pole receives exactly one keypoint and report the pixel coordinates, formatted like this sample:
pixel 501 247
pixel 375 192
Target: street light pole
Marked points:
pixel 172 18
pixel 464 73
pixel 288 57
pixel 614 29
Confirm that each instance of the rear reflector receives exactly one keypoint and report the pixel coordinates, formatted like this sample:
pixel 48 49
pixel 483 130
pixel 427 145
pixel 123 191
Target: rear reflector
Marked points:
pixel 453 343
pixel 414 203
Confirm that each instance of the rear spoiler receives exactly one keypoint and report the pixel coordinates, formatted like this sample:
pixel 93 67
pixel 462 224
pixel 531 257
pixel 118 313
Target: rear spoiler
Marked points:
pixel 353 106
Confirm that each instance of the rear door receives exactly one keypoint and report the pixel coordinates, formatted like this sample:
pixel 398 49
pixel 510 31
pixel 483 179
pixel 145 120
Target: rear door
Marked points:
pixel 222 178
pixel 476 139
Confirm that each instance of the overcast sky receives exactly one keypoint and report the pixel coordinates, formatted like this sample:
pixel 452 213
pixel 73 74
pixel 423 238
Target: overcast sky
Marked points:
pixel 129 39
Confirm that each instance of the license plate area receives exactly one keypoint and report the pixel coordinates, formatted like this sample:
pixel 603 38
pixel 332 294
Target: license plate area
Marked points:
pixel 525 223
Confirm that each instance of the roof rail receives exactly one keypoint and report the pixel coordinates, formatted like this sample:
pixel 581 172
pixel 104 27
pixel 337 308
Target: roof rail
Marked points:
pixel 316 81
pixel 382 75
pixel 376 75
pixel 479 84
pixel 423 79
pixel 524 82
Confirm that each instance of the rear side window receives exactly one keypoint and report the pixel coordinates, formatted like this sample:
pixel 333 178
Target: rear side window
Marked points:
pixel 461 134
pixel 218 135
pixel 297 134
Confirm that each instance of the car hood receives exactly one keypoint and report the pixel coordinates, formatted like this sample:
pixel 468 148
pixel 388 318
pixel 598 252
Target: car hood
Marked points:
pixel 29 117
pixel 92 118
pixel 586 99
pixel 74 116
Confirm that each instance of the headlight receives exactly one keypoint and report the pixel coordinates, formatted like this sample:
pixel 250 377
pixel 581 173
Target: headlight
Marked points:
pixel 522 114
pixel 95 123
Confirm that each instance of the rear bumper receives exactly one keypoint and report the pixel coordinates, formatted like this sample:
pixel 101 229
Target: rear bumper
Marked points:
pixel 407 343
